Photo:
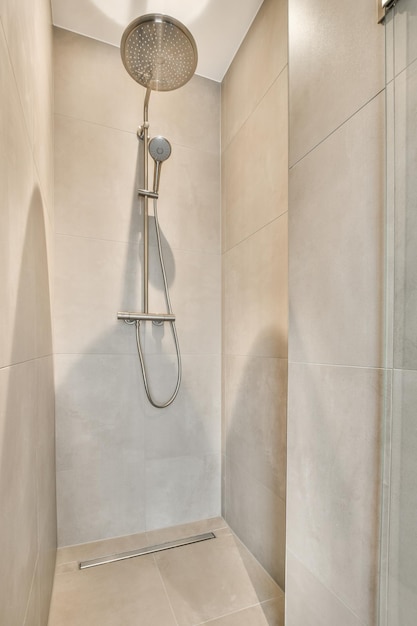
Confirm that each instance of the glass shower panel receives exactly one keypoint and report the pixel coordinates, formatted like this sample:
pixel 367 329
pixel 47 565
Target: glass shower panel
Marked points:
pixel 399 556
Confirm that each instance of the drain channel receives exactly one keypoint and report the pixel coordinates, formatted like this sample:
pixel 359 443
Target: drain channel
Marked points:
pixel 149 550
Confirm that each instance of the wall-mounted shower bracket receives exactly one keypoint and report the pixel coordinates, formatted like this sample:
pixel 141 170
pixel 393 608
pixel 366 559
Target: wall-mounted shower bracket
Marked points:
pixel 145 193
pixel 129 316
pixel 141 130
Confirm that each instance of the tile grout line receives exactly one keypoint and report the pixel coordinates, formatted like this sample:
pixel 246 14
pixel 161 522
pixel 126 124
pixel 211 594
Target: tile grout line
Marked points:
pixel 165 590
pixel 245 608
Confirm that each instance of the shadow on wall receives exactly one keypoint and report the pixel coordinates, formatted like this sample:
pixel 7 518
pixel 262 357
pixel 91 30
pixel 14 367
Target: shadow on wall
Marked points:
pixel 255 452
pixel 123 466
pixel 27 456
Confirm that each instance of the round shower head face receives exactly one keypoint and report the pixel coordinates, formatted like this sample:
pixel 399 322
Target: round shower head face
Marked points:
pixel 159 52
pixel 159 149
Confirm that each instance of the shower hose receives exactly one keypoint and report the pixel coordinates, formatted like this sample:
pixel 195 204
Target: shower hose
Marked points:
pixel 174 330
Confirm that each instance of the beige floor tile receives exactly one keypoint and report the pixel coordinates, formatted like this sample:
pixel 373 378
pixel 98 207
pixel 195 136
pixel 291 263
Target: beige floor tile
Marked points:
pixel 128 593
pixel 207 580
pixel 268 614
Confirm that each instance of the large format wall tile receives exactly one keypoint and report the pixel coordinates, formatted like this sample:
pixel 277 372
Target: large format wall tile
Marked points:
pixel 333 478
pixel 308 601
pixel 17 304
pixel 336 66
pixel 260 59
pixel 189 200
pixel 18 488
pixel 100 446
pixel 257 516
pixel 182 489
pixel 256 167
pixel 27 442
pixel 93 421
pixel 112 98
pixel 96 181
pixel 256 302
pixel 195 292
pixel 94 280
pixel 256 418
pixel 43 100
pixel 191 425
pixel 336 231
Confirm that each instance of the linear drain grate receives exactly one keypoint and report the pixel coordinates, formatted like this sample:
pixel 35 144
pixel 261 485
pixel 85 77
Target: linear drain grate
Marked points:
pixel 149 550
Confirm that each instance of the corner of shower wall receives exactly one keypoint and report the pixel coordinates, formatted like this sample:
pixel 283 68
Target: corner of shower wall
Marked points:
pixel 336 328
pixel 255 287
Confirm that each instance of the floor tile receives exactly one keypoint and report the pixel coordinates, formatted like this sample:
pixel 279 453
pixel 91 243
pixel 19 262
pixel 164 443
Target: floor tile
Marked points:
pixel 269 614
pixel 207 580
pixel 128 593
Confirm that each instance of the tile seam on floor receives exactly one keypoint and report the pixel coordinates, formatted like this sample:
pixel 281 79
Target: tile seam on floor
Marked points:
pixel 213 619
pixel 165 590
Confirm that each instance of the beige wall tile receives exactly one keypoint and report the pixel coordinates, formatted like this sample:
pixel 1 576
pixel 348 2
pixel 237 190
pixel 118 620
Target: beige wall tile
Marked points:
pixel 257 515
pixel 195 292
pixel 336 233
pixel 95 422
pixel 18 489
pixel 181 489
pixel 113 98
pixel 333 478
pixel 260 59
pixel 256 418
pixel 336 66
pixel 17 338
pixel 43 99
pixel 101 501
pixel 96 178
pixel 191 425
pixel 27 458
pixel 309 601
pixel 94 276
pixel 256 294
pixel 256 167
pixel 18 30
pixel 189 202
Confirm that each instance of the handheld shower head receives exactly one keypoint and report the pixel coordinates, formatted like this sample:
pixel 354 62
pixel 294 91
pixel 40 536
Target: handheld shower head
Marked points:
pixel 160 151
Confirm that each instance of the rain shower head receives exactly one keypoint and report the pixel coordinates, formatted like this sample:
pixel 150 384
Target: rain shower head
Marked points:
pixel 159 52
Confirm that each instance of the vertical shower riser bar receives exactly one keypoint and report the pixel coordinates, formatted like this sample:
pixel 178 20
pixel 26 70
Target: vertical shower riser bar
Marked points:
pixel 145 136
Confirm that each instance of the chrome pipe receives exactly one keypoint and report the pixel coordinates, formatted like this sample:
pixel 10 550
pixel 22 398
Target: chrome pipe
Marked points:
pixel 145 201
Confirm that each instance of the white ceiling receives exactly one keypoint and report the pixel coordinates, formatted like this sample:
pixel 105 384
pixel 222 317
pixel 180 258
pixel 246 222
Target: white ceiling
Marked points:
pixel 218 26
